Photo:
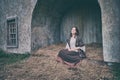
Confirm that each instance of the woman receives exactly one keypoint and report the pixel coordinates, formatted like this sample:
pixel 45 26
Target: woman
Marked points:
pixel 73 53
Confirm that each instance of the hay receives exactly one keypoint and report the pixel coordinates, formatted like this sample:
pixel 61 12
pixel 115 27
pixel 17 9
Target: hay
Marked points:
pixel 43 66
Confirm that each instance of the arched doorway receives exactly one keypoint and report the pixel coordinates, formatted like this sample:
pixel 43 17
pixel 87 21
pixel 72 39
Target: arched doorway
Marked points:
pixel 52 21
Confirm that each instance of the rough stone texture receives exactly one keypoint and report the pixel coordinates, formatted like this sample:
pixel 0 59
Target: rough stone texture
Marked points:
pixel 87 17
pixel 111 29
pixel 52 21
pixel 1 27
pixel 45 24
pixel 23 10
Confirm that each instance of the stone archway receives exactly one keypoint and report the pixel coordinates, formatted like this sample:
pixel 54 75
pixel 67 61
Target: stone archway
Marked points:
pixel 52 21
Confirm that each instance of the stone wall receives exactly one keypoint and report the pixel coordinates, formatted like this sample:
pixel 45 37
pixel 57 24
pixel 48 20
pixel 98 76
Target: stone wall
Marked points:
pixel 87 17
pixel 45 24
pixel 111 29
pixel 2 24
pixel 52 21
pixel 23 10
pixel 49 22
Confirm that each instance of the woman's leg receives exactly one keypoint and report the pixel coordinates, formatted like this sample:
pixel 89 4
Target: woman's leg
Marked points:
pixel 67 57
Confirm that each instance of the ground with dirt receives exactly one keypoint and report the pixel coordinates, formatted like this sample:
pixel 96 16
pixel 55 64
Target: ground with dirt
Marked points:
pixel 42 65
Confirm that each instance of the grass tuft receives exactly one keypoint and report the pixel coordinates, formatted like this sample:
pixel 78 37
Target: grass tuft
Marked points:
pixel 116 71
pixel 9 58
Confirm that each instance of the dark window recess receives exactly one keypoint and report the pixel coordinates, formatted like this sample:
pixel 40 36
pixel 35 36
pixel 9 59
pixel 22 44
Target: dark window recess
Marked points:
pixel 12 33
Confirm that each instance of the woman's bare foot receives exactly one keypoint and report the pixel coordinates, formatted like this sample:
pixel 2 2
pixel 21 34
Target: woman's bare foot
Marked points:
pixel 58 59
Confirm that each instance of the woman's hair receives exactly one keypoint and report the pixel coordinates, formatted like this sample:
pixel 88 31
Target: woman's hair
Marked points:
pixel 77 32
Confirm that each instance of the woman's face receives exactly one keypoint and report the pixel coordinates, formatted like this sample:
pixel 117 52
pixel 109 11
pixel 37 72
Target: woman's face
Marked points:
pixel 73 31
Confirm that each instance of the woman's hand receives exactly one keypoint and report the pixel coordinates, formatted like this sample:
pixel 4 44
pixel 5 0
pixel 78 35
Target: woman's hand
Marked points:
pixel 74 49
pixel 70 49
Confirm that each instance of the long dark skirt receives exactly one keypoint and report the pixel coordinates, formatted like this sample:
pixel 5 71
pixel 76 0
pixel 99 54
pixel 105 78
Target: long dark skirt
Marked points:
pixel 70 56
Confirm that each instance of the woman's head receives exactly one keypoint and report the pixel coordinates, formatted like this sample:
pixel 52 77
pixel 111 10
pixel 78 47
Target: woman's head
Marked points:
pixel 74 31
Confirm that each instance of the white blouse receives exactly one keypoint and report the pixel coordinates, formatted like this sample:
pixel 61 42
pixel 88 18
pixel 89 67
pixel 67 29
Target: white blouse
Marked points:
pixel 72 43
